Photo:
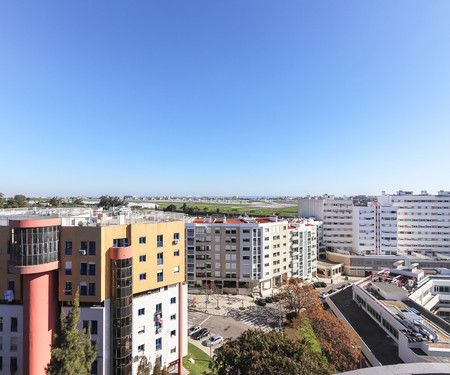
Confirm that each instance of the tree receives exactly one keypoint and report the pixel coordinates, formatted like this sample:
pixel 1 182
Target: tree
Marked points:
pixel 107 202
pixel 170 207
pixel 21 200
pixel 55 202
pixel 183 207
pixel 157 369
pixel 144 367
pixel 77 202
pixel 73 352
pixel 298 294
pixel 257 353
pixel 2 200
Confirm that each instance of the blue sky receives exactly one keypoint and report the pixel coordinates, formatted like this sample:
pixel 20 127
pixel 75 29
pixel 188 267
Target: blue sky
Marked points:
pixel 224 97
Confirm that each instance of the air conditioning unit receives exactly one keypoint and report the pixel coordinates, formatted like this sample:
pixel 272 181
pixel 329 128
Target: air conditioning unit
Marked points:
pixel 82 252
pixel 176 242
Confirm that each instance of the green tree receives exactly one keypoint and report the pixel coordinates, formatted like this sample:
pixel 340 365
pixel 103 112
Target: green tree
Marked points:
pixel 257 353
pixel 78 202
pixel 55 202
pixel 21 200
pixel 2 200
pixel 144 367
pixel 157 369
pixel 107 202
pixel 73 352
pixel 170 207
pixel 183 207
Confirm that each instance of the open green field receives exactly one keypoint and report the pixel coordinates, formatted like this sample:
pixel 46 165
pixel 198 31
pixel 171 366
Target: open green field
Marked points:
pixel 200 367
pixel 234 209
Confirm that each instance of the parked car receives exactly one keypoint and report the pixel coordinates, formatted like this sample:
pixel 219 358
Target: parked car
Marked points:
pixel 317 285
pixel 260 302
pixel 322 284
pixel 193 329
pixel 214 340
pixel 200 334
pixel 269 299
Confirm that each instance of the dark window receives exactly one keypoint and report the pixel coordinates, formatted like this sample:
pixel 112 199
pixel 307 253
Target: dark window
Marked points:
pixel 159 240
pixel 120 242
pixel 176 236
pixel 159 258
pixel 142 239
pixel 141 348
pixel 91 269
pixel 141 311
pixel 13 324
pixel 68 290
pixel 86 325
pixel 159 344
pixel 94 327
pixel 83 245
pixel 1 324
pixel 91 247
pixel 1 363
pixel 68 250
pixel 83 268
pixel 142 258
pixel 92 289
pixel 176 253
pixel 11 285
pixel 13 365
pixel 159 276
pixel 173 300
pixel 143 276
pixel 159 307
pixel 94 368
pixel 83 290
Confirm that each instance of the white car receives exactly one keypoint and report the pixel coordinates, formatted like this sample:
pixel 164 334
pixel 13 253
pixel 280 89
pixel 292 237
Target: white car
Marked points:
pixel 214 340
pixel 193 329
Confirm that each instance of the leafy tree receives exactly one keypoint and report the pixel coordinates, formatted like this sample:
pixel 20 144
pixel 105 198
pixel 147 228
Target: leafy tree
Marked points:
pixel 184 207
pixel 170 207
pixel 73 352
pixel 20 201
pixel 298 294
pixel 107 202
pixel 55 202
pixel 144 367
pixel 2 200
pixel 257 353
pixel 157 369
pixel 77 202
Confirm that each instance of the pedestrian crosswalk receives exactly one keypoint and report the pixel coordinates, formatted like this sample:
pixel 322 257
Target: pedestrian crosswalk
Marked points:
pixel 196 317
pixel 252 319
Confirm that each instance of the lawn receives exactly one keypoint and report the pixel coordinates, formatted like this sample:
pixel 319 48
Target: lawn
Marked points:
pixel 305 331
pixel 201 359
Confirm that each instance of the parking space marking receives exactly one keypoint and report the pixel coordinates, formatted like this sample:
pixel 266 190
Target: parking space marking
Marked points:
pixel 204 321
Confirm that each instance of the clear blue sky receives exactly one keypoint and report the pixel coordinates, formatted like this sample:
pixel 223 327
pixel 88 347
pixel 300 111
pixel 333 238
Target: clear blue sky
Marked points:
pixel 224 97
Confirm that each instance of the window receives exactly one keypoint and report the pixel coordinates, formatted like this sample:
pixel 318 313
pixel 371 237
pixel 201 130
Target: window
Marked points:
pixel 1 363
pixel 173 300
pixel 91 269
pixel 159 258
pixel 94 327
pixel 68 290
pixel 11 285
pixel 141 348
pixel 143 276
pixel 83 268
pixel 83 245
pixel 13 364
pixel 176 269
pixel 159 343
pixel 94 368
pixel 92 289
pixel 13 324
pixel 159 307
pixel 159 240
pixel 120 242
pixel 173 350
pixel 1 324
pixel 173 333
pixel 142 240
pixel 141 329
pixel 176 253
pixel 176 236
pixel 68 268
pixel 68 250
pixel 83 288
pixel 13 347
pixel 141 311
pixel 91 247
pixel 159 276
pixel 142 258
pixel 173 317
pixel 86 325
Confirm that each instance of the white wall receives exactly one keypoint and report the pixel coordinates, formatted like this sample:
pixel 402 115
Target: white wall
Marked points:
pixel 7 312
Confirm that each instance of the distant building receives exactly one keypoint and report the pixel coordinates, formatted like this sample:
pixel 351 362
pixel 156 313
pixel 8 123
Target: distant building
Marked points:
pixel 262 252
pixel 129 271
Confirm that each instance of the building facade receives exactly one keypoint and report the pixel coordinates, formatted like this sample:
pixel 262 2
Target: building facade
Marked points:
pixel 239 253
pixel 129 272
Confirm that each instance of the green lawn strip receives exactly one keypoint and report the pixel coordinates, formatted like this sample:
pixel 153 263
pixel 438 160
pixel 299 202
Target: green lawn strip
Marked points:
pixel 201 359
pixel 305 331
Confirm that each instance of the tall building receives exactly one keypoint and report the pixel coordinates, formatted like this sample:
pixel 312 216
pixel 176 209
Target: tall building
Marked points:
pixel 129 271
pixel 261 252
pixel 400 223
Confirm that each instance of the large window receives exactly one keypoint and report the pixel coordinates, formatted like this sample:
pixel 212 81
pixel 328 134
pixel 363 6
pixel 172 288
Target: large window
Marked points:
pixel 92 289
pixel 159 240
pixel 91 269
pixel 83 288
pixel 141 311
pixel 13 324
pixel 159 258
pixel 159 343
pixel 83 268
pixel 142 240
pixel 159 276
pixel 68 250
pixel 91 247
pixel 68 290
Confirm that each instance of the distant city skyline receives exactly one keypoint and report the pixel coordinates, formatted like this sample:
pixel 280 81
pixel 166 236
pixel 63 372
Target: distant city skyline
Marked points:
pixel 253 98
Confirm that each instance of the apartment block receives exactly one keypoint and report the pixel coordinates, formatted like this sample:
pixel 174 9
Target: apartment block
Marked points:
pixel 128 269
pixel 239 253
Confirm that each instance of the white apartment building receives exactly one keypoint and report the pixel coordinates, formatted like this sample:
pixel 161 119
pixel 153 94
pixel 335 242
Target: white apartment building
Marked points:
pixel 244 252
pixel 404 223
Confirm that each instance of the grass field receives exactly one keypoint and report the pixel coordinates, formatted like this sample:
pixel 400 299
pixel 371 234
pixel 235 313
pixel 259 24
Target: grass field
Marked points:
pixel 305 331
pixel 200 367
pixel 234 210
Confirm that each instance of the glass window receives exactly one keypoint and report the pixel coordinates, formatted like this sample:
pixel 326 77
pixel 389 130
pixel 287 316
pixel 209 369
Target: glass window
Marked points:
pixel 83 268
pixel 91 247
pixel 173 317
pixel 173 300
pixel 91 269
pixel 1 324
pixel 13 365
pixel 94 327
pixel 159 343
pixel 159 258
pixel 141 348
pixel 68 290
pixel 92 289
pixel 141 311
pixel 13 324
pixel 68 269
pixel 159 240
pixel 176 253
pixel 143 276
pixel 142 258
pixel 176 236
pixel 142 240
pixel 83 289
pixel 68 250
pixel 176 269
pixel 159 276
pixel 83 245
pixel 159 307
